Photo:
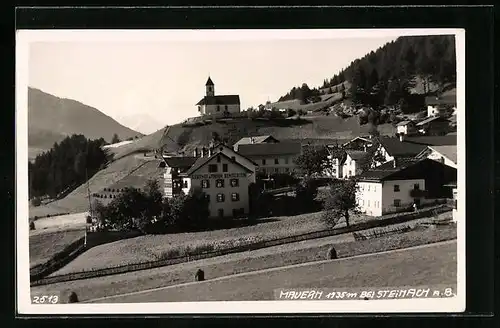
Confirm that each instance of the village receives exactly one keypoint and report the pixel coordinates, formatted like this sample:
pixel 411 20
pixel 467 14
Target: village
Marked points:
pixel 412 169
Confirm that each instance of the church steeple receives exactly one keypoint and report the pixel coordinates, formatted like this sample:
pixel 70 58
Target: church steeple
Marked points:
pixel 209 86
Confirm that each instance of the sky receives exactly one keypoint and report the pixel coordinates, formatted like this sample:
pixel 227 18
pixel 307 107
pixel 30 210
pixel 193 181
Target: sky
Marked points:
pixel 147 84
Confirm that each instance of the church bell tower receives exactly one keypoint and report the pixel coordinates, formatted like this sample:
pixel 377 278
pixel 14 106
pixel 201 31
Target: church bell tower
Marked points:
pixel 210 90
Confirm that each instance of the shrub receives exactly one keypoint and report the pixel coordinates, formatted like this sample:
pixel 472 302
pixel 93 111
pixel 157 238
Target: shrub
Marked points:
pixel 331 254
pixel 36 201
pixel 32 225
pixel 73 298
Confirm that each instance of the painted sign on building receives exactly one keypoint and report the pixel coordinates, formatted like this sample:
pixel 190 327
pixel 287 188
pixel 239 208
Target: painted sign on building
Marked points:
pixel 218 176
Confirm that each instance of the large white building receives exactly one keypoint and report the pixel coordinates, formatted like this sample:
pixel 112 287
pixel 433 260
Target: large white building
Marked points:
pixel 397 185
pixel 224 176
pixel 273 157
pixel 217 105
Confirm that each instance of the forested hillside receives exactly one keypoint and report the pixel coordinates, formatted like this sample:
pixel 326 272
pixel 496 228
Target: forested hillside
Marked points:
pixel 387 76
pixel 65 166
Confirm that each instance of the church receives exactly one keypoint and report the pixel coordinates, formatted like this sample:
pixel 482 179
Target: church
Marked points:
pixel 212 104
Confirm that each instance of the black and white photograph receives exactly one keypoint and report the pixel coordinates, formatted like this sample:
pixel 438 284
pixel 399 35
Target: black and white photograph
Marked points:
pixel 240 171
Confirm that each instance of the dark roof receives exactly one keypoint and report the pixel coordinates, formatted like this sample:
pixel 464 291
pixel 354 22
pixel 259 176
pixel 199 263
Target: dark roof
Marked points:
pixel 384 171
pixel 204 160
pixel 357 154
pixel 220 100
pixel 231 149
pixel 443 100
pixel 209 82
pixel 256 139
pixel 433 172
pixel 434 118
pixel 447 140
pixel 180 162
pixel 395 147
pixel 269 149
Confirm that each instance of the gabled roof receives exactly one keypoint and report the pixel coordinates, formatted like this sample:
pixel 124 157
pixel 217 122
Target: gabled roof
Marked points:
pixel 449 152
pixel 430 119
pixel 449 139
pixel 256 139
pixel 442 100
pixel 358 138
pixel 431 171
pixel 220 100
pixel 270 149
pixel 209 82
pixel 357 154
pixel 204 160
pixel 220 144
pixel 384 171
pixel 395 147
pixel 180 162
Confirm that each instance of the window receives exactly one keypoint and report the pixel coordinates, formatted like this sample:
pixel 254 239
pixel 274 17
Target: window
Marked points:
pixel 235 197
pixel 276 170
pixel 397 202
pixel 225 107
pixel 218 108
pixel 276 161
pixel 185 184
pixel 234 182
pixel 224 167
pixel 219 183
pixel 286 160
pixel 416 186
pixel 218 159
pixel 220 198
pixel 368 187
pixel 350 173
pixel 263 162
pixel 396 188
pixel 205 184
pixel 233 158
pixel 220 211
pixel 212 168
pixel 207 196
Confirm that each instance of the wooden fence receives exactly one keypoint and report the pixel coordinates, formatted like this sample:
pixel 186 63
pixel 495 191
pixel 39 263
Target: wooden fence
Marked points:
pixel 384 221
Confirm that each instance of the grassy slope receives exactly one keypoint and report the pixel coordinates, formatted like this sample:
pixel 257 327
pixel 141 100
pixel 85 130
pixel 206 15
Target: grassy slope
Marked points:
pixel 128 156
pixel 152 247
pixel 43 246
pixel 77 200
pixel 242 262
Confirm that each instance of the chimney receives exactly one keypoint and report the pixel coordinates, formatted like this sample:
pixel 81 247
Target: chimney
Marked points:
pixel 203 152
pixel 252 140
pixel 395 162
pixel 401 137
pixel 209 151
pixel 195 153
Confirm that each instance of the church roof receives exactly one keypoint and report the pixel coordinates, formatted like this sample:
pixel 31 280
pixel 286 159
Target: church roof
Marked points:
pixel 209 81
pixel 220 100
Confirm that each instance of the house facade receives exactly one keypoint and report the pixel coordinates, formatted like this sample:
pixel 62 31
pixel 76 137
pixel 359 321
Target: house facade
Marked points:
pixel 354 163
pixel 446 154
pixel 406 128
pixel 172 176
pixel 217 105
pixel 435 125
pixel 397 185
pixel 224 180
pixel 435 103
pixel 390 148
pixel 273 157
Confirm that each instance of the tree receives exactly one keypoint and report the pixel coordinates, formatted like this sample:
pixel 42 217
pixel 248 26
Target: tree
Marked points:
pixel 115 139
pixel 305 194
pixel 358 86
pixel 291 112
pixel 373 131
pixel 154 200
pixel 340 202
pixel 313 160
